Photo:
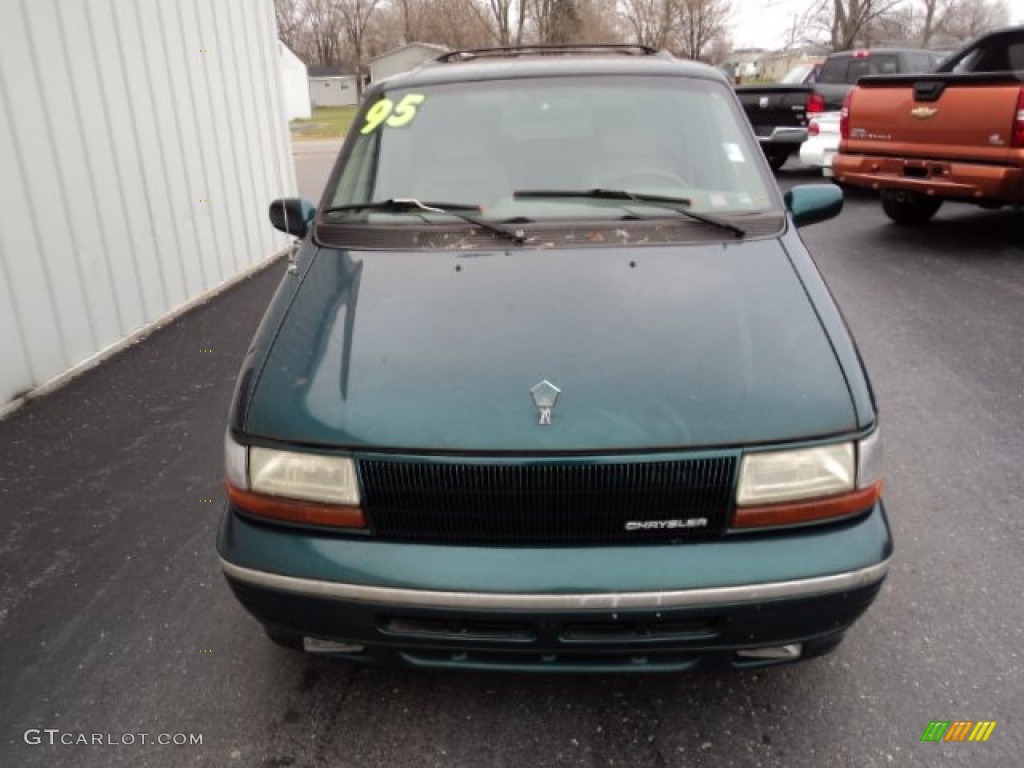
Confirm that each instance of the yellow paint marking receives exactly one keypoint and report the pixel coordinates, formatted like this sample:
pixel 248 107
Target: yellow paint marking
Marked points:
pixel 958 730
pixel 982 730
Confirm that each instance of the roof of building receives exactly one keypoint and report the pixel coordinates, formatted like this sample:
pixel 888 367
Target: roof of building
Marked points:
pixel 439 49
pixel 320 71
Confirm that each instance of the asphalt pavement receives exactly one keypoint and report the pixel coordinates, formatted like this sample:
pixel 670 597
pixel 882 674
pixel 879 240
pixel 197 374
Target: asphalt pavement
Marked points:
pixel 115 620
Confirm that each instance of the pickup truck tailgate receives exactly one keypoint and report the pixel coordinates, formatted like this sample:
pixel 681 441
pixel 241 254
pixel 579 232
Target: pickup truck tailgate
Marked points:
pixel 774 106
pixel 951 118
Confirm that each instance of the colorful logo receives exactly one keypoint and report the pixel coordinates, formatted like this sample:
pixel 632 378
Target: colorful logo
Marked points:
pixel 958 730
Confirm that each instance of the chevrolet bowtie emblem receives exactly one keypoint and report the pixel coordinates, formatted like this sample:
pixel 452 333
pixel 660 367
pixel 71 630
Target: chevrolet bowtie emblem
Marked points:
pixel 545 395
pixel 922 113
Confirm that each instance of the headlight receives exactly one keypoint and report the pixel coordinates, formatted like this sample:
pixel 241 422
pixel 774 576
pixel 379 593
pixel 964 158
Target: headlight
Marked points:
pixel 809 484
pixel 806 473
pixel 292 486
pixel 309 476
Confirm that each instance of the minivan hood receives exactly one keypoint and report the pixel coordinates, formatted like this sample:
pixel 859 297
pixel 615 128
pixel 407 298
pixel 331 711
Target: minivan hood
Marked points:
pixel 652 348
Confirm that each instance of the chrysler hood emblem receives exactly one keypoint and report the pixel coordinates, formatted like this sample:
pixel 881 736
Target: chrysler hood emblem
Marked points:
pixel 545 395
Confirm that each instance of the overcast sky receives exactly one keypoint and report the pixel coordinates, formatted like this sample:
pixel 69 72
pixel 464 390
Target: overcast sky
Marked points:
pixel 763 23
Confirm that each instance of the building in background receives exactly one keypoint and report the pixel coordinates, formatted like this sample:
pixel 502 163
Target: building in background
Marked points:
pixel 295 84
pixel 403 59
pixel 331 87
pixel 776 64
pixel 138 153
pixel 746 62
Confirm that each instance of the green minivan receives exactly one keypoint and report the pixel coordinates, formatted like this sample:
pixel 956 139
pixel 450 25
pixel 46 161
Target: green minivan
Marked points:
pixel 551 383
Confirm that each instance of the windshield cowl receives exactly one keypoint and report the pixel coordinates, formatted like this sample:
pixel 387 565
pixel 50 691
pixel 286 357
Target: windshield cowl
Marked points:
pixel 647 227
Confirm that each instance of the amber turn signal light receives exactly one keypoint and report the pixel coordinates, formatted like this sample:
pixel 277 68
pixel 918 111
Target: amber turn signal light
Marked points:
pixel 808 511
pixel 296 511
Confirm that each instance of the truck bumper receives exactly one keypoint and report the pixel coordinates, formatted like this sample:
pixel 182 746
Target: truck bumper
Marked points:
pixel 740 601
pixel 966 182
pixel 782 137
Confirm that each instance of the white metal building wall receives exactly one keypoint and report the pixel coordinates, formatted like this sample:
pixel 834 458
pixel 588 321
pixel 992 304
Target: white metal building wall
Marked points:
pixel 295 84
pixel 140 143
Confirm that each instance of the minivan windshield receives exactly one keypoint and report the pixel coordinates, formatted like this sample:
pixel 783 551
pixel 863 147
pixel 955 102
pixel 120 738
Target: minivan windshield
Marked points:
pixel 493 147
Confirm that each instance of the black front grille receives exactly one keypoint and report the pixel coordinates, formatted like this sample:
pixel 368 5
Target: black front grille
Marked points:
pixel 548 503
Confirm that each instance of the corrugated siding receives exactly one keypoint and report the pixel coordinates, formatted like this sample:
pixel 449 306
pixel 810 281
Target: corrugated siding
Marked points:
pixel 140 142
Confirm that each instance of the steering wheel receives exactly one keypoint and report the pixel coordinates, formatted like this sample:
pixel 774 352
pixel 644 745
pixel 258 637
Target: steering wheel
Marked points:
pixel 632 178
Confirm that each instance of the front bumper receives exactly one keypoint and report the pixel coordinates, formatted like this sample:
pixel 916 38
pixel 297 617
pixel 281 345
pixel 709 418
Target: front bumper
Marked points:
pixel 966 182
pixel 638 608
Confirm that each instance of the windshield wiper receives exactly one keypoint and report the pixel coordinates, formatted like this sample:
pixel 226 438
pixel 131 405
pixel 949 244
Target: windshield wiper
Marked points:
pixel 678 204
pixel 412 205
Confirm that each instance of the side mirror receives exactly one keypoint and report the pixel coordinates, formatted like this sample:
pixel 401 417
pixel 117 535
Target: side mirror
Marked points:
pixel 292 215
pixel 811 203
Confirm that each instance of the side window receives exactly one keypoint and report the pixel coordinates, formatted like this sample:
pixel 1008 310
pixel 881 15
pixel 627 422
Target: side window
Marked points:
pixel 834 71
pixel 970 62
pixel 992 59
pixel 858 68
pixel 1015 53
pixel 884 64
pixel 919 62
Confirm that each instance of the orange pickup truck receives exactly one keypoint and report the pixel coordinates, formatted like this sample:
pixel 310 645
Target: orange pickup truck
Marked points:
pixel 956 134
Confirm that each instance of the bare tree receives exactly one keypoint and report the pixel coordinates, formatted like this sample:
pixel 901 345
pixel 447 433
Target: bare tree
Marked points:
pixel 556 21
pixel 323 31
pixel 601 22
pixel 509 17
pixel 720 49
pixel 355 18
pixel 923 22
pixel 969 18
pixel 700 22
pixel 794 33
pixel 290 23
pixel 799 31
pixel 456 24
pixel 453 24
pixel 411 15
pixel 933 15
pixel 654 23
pixel 847 21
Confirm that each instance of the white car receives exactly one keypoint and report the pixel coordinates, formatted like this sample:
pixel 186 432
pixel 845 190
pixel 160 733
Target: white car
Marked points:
pixel 822 142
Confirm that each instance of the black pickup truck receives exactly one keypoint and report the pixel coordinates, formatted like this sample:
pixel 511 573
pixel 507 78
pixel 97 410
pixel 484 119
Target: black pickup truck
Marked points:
pixel 780 112
pixel 843 69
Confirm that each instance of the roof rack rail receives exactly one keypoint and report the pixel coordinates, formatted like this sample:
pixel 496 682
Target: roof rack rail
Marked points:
pixel 533 50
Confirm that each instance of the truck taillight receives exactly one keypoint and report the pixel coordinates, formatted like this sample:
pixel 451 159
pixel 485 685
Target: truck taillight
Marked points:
pixel 1018 121
pixel 844 115
pixel 815 103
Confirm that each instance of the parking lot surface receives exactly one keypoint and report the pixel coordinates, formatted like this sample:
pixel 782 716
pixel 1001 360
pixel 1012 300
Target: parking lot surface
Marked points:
pixel 115 620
